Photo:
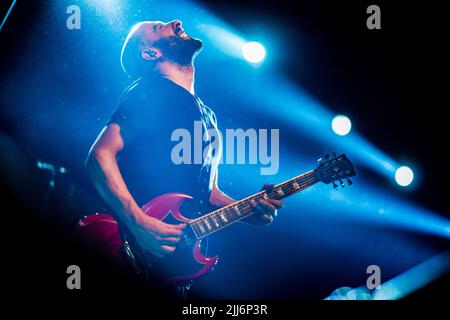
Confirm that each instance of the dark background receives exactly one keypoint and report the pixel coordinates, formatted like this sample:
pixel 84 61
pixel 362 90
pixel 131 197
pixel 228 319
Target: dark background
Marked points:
pixel 57 93
pixel 400 67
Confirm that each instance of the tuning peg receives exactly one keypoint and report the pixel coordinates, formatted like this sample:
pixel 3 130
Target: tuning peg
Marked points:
pixel 335 186
pixel 342 183
pixel 349 182
pixel 327 157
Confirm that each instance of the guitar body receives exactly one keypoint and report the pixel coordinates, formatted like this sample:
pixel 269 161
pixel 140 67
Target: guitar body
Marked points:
pixel 186 264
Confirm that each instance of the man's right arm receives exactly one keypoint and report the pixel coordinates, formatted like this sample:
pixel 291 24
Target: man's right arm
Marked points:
pixel 156 236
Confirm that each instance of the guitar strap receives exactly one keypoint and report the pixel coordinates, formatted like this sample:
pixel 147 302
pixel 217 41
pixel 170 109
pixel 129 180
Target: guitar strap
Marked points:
pixel 134 259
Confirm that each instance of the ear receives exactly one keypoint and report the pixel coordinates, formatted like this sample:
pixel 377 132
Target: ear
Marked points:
pixel 151 54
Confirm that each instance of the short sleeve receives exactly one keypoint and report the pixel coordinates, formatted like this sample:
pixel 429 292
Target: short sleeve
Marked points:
pixel 133 112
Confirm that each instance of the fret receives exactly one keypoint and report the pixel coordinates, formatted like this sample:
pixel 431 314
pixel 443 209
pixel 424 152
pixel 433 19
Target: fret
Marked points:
pixel 279 191
pixel 245 207
pixel 287 189
pixel 230 213
pixel 291 187
pixel 207 223
pixel 214 219
pixel 298 183
pixel 194 228
pixel 225 214
pixel 197 229
pixel 213 222
pixel 202 229
pixel 236 212
pixel 219 220
pixel 224 218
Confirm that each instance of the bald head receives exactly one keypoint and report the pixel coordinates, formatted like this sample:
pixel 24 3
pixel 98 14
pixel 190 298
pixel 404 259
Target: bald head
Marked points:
pixel 150 42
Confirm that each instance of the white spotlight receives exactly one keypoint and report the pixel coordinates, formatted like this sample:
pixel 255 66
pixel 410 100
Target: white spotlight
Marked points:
pixel 254 52
pixel 404 176
pixel 341 125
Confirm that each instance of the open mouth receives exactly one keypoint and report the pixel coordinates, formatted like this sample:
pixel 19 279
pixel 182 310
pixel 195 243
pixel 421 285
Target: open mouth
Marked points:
pixel 181 34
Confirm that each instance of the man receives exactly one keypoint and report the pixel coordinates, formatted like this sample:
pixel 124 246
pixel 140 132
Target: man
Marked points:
pixel 130 162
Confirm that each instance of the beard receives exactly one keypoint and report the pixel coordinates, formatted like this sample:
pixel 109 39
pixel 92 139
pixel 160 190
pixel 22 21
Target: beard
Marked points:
pixel 178 50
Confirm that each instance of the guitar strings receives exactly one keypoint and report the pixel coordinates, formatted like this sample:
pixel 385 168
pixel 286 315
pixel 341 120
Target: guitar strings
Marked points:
pixel 248 210
pixel 309 179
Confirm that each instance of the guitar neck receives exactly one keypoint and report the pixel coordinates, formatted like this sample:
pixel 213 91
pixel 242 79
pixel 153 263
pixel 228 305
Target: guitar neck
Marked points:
pixel 225 216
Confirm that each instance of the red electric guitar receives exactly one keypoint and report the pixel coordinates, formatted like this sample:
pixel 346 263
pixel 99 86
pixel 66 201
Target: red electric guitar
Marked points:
pixel 189 261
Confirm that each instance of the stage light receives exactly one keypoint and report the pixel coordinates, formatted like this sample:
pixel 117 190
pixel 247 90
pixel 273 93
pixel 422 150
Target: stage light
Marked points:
pixel 113 11
pixel 309 117
pixel 341 125
pixel 402 285
pixel 106 5
pixel 254 52
pixel 404 176
pixel 414 278
pixel 223 38
pixel 365 202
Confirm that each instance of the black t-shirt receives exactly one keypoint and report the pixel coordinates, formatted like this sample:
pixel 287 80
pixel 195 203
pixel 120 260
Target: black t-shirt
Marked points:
pixel 153 114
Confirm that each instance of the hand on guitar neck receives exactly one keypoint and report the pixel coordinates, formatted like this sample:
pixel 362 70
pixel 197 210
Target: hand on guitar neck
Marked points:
pixel 266 210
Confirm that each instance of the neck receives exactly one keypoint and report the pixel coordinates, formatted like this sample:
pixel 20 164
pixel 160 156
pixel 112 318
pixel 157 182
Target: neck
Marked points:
pixel 225 216
pixel 181 75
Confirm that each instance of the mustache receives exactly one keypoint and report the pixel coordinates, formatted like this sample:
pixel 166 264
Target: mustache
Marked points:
pixel 172 41
pixel 177 45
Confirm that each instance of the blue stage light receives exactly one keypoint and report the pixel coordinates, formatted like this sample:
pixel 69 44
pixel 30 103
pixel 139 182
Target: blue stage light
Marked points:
pixel 254 52
pixel 222 37
pixel 414 278
pixel 402 285
pixel 341 125
pixel 113 11
pixel 404 176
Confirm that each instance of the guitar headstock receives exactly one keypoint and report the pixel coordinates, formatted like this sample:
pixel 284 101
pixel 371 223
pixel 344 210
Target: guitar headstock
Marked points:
pixel 335 168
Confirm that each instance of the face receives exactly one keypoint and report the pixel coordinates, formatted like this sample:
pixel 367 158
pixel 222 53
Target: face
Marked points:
pixel 170 41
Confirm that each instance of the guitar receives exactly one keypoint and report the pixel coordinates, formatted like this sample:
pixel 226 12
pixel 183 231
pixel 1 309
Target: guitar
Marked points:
pixel 189 261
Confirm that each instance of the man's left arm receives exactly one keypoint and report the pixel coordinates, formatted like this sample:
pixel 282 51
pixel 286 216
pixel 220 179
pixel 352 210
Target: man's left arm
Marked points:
pixel 265 210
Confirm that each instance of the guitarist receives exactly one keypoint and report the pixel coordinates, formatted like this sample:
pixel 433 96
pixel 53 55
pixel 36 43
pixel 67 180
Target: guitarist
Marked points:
pixel 130 161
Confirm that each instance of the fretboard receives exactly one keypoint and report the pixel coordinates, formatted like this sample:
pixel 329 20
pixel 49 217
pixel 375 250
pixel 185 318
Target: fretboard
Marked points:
pixel 225 216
